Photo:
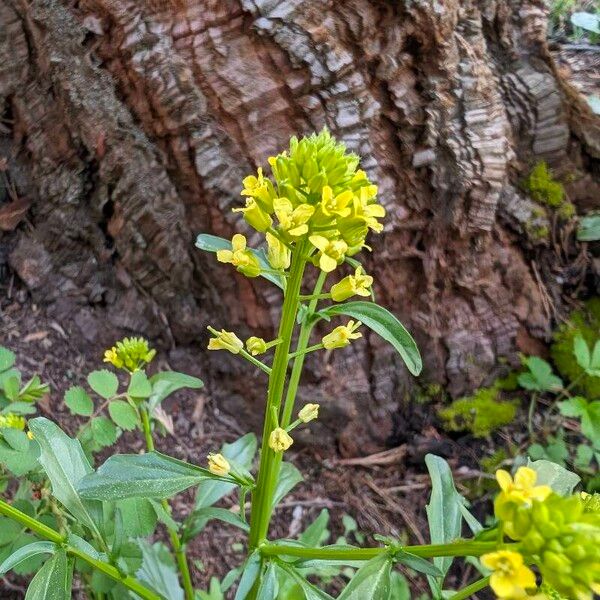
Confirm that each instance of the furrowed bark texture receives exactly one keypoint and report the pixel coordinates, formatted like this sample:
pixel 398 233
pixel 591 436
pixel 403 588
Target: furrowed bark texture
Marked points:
pixel 130 124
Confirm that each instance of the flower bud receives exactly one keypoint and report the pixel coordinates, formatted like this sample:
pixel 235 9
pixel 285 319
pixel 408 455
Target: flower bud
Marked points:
pixel 12 421
pixel 256 345
pixel 280 440
pixel 342 335
pixel 218 464
pixel 255 216
pixel 309 412
pixel 225 340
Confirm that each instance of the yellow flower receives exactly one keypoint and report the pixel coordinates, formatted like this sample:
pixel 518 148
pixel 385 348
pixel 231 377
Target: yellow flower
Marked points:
pixel 521 490
pixel 358 284
pixel 278 254
pixel 309 412
pixel 130 354
pixel 256 345
pixel 12 421
pixel 240 257
pixel 255 216
pixel 335 205
pixel 293 221
pixel 342 335
pixel 218 464
pixel 225 340
pixel 367 209
pixel 331 253
pixel 280 440
pixel 261 189
pixel 510 577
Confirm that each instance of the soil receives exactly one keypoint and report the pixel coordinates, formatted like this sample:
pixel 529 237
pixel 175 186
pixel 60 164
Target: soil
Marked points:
pixel 385 493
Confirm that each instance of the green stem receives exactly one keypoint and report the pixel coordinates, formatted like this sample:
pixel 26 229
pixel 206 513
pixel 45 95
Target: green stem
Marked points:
pixel 316 296
pixel 468 548
pixel 255 361
pixel 532 404
pixel 176 544
pixel 260 514
pixel 475 587
pixel 303 338
pixel 306 350
pixel 51 535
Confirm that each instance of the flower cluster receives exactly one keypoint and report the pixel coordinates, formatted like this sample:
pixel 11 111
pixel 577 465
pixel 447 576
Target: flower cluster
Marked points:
pixel 559 535
pixel 12 421
pixel 318 195
pixel 130 354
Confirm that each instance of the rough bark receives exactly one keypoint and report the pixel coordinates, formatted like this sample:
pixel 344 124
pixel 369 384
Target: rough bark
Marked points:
pixel 130 124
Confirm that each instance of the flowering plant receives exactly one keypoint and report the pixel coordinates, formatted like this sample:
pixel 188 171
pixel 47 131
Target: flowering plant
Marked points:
pixel 314 214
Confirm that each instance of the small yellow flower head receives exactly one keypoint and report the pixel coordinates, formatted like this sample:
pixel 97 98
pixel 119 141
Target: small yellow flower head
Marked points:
pixel 278 254
pixel 225 340
pixel 510 577
pixel 332 206
pixel 30 435
pixel 309 412
pixel 358 284
pixel 293 221
pixel 218 464
pixel 130 354
pixel 240 257
pixel 280 440
pixel 261 189
pixel 256 345
pixel 332 252
pixel 255 216
pixel 342 335
pixel 12 421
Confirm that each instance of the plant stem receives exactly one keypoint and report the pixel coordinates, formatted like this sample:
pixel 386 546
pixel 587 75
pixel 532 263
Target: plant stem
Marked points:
pixel 297 353
pixel 532 404
pixel 51 535
pixel 176 544
pixel 467 592
pixel 303 339
pixel 468 548
pixel 260 514
pixel 255 361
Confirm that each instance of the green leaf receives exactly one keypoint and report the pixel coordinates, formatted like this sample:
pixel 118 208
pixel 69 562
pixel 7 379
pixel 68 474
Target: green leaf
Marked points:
pixel 582 352
pixel 316 533
pixel 400 590
pixel 199 518
pixel 9 530
pixel 589 228
pixel 139 517
pixel 123 414
pixel 104 383
pixel 213 243
pixel 573 407
pixel 384 323
pixel 561 481
pixel 151 475
pixel 540 377
pixel 289 477
pixel 589 412
pixel 443 511
pixel 310 591
pixel 11 387
pixel 7 358
pixel 371 582
pixel 65 465
pixel 16 439
pixel 26 552
pixel 103 431
pixel 586 20
pixel 53 580
pixel 158 571
pixel 269 586
pixel 241 452
pixel 19 463
pixel 78 402
pixel 19 408
pixel 249 575
pixel 584 456
pixel 166 383
pixel 416 563
pixel 139 385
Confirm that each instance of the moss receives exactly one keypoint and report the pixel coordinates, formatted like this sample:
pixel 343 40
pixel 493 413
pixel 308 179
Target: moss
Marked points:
pixel 480 413
pixel 543 188
pixel 566 211
pixel 584 322
pixel 537 232
pixel 490 464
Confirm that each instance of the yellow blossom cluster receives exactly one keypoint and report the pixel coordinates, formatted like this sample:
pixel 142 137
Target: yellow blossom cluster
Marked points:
pixel 318 196
pixel 130 354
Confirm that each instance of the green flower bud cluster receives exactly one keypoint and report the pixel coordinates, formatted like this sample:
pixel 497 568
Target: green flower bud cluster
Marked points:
pixel 563 540
pixel 130 354
pixel 12 421
pixel 319 195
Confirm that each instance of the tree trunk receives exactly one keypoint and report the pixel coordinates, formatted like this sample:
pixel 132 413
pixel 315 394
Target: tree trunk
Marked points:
pixel 129 125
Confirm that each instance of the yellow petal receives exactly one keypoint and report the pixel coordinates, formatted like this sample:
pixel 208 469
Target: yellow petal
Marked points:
pixel 319 242
pixel 327 263
pixel 524 577
pixel 504 479
pixel 224 256
pixel 502 585
pixel 238 242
